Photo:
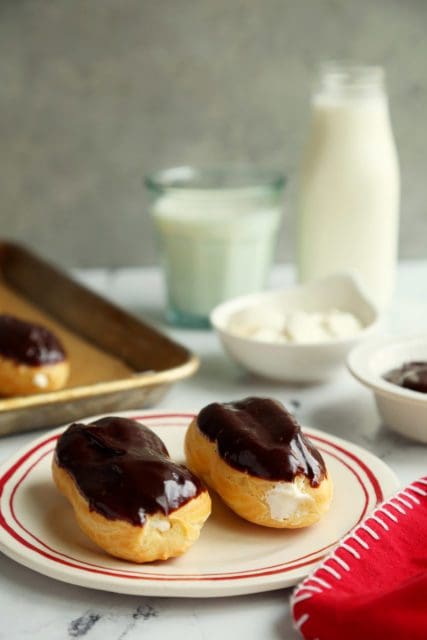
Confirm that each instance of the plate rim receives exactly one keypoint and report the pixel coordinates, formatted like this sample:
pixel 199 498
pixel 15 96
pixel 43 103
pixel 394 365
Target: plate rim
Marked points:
pixel 214 584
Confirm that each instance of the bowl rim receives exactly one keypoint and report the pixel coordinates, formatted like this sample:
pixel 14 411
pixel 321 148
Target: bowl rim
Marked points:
pixel 358 365
pixel 239 303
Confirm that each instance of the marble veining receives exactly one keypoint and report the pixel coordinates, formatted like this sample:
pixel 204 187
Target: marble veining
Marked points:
pixel 81 625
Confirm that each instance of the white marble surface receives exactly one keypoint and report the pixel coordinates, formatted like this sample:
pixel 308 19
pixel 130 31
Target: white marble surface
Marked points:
pixel 34 606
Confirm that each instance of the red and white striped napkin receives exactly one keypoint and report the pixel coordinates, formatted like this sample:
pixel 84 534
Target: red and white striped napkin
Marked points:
pixel 374 585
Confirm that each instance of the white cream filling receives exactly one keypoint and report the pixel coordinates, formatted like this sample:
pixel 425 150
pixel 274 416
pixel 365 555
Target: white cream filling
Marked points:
pixel 285 500
pixel 160 524
pixel 40 380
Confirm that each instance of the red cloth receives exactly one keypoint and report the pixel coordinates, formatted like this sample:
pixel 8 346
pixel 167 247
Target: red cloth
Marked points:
pixel 374 585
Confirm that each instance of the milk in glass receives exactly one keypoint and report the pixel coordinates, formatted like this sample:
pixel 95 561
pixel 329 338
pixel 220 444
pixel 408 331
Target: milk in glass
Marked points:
pixel 217 234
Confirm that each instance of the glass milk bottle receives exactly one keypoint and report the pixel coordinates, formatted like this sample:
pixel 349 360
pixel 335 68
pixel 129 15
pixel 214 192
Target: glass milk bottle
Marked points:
pixel 348 205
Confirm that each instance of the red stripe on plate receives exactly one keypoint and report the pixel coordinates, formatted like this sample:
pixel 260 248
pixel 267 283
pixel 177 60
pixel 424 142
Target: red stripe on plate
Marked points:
pixel 373 479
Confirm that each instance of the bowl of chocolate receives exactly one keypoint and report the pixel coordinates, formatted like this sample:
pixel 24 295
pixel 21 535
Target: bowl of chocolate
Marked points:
pixel 395 369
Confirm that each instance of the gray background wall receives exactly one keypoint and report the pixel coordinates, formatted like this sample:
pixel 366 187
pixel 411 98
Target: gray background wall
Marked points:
pixel 95 93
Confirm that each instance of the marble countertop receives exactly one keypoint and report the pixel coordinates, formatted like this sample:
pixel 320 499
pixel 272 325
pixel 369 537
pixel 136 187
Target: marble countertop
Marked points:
pixel 37 607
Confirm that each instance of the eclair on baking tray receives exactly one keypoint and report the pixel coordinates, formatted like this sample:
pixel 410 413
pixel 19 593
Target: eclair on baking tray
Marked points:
pixel 32 358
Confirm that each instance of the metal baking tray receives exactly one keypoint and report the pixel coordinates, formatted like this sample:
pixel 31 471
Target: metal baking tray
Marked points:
pixel 117 362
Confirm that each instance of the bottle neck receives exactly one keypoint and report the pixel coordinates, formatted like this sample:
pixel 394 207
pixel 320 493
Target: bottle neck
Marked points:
pixel 342 83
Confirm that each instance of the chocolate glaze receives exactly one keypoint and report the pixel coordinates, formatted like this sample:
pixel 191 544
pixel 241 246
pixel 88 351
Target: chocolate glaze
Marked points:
pixel 123 469
pixel 411 375
pixel 258 436
pixel 28 343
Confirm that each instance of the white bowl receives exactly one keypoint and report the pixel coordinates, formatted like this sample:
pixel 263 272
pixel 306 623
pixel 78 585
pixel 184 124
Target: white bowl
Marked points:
pixel 303 362
pixel 403 410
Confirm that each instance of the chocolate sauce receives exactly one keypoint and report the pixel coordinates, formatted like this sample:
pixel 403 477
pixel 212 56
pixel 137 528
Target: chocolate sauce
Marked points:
pixel 258 436
pixel 28 343
pixel 411 375
pixel 123 469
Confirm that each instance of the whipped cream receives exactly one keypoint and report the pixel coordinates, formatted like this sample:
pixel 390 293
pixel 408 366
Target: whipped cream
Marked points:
pixel 297 327
pixel 40 380
pixel 160 524
pixel 286 499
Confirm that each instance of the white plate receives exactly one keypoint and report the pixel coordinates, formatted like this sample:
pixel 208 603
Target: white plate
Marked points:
pixel 38 530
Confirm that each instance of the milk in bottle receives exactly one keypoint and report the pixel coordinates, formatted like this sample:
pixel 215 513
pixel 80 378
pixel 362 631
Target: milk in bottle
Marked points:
pixel 348 201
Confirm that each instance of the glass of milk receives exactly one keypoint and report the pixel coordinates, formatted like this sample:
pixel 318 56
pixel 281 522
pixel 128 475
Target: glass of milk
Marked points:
pixel 217 231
